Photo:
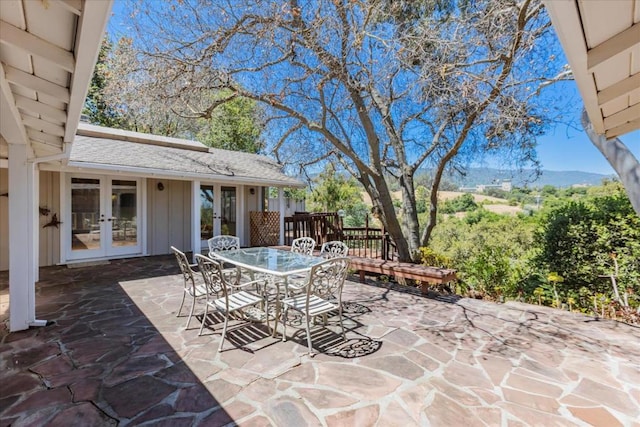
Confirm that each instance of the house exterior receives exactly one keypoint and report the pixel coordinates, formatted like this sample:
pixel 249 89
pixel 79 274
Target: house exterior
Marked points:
pixel 123 194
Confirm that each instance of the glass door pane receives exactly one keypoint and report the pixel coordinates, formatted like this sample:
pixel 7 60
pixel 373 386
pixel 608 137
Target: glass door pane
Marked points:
pixel 124 213
pixel 228 210
pixel 206 213
pixel 85 214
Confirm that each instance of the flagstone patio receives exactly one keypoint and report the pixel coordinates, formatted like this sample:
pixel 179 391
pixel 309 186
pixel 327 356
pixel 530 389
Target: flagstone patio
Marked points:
pixel 114 353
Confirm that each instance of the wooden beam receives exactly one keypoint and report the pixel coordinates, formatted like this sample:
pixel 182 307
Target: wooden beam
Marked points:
pixel 29 81
pixel 45 138
pixel 622 88
pixel 621 42
pixel 40 108
pixel 73 6
pixel 34 45
pixel 625 128
pixel 621 117
pixel 43 126
pixel 11 127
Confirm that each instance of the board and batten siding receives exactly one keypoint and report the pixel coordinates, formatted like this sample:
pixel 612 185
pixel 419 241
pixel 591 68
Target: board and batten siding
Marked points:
pixel 49 237
pixel 49 242
pixel 168 216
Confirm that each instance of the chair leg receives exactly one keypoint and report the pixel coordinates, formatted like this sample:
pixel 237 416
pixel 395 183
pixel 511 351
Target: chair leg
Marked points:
pixel 204 318
pixel 224 332
pixel 193 307
pixel 309 337
pixel 181 304
pixel 284 323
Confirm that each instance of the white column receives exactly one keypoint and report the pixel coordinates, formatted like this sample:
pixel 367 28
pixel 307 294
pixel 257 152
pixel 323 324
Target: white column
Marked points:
pixel 195 218
pixel 241 214
pixel 282 209
pixel 34 185
pixel 23 240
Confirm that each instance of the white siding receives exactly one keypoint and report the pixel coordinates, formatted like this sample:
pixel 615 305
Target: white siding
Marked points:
pixel 49 240
pixel 49 237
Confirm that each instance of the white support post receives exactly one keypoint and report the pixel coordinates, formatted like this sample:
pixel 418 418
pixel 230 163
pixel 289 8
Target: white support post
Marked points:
pixel 23 240
pixel 34 186
pixel 282 208
pixel 195 218
pixel 241 214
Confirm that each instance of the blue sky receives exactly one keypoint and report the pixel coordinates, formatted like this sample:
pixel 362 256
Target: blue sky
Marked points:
pixel 565 149
pixel 562 148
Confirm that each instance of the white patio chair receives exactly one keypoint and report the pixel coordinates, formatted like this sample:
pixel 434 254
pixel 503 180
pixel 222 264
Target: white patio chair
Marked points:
pixel 191 288
pixel 334 249
pixel 303 245
pixel 223 243
pixel 234 298
pixel 325 280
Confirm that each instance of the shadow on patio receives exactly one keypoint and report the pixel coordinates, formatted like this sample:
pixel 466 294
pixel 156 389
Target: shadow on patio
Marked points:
pixel 115 353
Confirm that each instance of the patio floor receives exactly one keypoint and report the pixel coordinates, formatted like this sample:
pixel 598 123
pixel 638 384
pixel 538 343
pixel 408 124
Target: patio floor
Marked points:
pixel 115 353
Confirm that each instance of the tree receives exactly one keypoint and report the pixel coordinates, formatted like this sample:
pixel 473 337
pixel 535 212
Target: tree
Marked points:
pixel 125 87
pixel 333 191
pixel 380 89
pixel 97 109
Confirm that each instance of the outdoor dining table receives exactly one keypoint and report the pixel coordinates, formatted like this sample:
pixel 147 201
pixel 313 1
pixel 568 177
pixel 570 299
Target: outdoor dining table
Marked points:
pixel 276 264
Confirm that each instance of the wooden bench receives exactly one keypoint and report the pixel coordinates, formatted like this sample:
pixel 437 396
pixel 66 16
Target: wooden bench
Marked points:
pixel 425 274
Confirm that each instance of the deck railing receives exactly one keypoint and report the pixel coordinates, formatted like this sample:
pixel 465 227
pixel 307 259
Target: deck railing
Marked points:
pixel 367 242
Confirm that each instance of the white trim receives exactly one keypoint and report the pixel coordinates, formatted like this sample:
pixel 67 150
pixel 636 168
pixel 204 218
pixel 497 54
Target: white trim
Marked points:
pixel 34 186
pixel 241 213
pixel 195 219
pixel 13 130
pixel 144 225
pixel 568 25
pixel 86 167
pixel 282 208
pixel 64 214
pixel 34 45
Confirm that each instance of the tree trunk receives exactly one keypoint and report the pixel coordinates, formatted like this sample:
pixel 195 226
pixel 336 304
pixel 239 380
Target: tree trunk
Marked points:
pixel 410 214
pixel 621 160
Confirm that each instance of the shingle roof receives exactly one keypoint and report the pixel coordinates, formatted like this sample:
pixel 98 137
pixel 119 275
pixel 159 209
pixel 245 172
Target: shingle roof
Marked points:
pixel 151 154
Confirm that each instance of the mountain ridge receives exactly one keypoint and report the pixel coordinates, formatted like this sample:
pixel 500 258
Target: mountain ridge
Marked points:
pixel 526 177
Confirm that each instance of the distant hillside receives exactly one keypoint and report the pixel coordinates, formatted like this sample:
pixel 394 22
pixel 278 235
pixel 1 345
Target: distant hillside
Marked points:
pixel 476 176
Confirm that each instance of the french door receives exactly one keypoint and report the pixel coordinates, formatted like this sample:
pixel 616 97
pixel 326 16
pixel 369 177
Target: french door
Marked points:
pixel 218 209
pixel 103 216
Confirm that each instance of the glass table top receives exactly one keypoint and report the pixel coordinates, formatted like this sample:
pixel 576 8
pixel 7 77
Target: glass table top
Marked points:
pixel 269 260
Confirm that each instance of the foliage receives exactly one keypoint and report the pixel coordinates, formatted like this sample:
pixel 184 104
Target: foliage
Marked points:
pixel 121 97
pixel 462 203
pixel 332 191
pixel 490 253
pixel 578 238
pixel 96 108
pixel 235 125
pixel 383 90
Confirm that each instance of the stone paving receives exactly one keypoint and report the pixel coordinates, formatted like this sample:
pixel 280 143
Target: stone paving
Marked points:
pixel 115 353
